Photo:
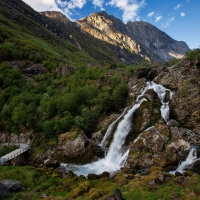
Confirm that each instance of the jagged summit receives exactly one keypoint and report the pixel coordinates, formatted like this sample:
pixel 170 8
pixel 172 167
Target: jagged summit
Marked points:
pixel 137 36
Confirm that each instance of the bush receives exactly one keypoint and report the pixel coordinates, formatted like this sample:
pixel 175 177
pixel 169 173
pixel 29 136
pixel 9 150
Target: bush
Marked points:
pixel 193 54
pixel 173 61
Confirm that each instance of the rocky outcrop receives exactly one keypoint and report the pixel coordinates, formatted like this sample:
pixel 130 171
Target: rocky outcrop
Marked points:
pixel 80 150
pixel 72 147
pixel 35 70
pixel 153 142
pixel 13 138
pixel 66 70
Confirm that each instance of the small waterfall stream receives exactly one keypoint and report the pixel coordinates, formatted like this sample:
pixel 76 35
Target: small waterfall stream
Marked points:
pixel 110 128
pixel 188 163
pixel 117 153
pixel 161 92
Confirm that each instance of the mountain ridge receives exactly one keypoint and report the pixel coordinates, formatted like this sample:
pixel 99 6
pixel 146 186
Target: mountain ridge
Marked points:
pixel 134 36
pixel 114 39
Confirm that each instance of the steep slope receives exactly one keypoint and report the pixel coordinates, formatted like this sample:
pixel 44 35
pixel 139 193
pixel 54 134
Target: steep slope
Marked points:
pixel 157 41
pixel 51 30
pixel 95 46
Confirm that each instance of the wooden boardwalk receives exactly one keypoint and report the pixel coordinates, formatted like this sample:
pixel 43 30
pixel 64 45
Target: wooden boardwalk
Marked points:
pixel 21 149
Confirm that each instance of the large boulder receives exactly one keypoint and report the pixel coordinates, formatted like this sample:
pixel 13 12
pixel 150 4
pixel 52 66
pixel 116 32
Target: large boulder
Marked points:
pixel 81 149
pixel 117 195
pixel 12 185
pixel 4 191
pixel 72 147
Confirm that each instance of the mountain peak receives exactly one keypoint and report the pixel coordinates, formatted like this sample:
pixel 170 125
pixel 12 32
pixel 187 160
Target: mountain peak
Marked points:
pixel 156 40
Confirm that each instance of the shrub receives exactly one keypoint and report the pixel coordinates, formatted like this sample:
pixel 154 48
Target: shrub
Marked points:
pixel 193 54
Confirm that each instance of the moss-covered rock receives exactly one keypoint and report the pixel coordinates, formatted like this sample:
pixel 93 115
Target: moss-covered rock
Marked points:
pixel 96 193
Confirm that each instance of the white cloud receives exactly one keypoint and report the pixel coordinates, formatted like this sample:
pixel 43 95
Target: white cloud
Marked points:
pixel 66 7
pixel 158 18
pixel 130 8
pixel 150 14
pixel 43 5
pixel 98 3
pixel 72 4
pixel 177 7
pixel 182 14
pixel 168 22
pixel 69 7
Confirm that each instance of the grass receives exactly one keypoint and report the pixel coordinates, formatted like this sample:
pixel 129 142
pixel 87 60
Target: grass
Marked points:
pixel 38 181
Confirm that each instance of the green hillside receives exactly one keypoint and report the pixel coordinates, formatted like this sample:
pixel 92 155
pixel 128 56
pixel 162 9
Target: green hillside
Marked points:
pixel 51 103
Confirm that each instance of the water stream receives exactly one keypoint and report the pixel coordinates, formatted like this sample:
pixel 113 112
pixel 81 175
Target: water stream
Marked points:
pixel 188 163
pixel 111 128
pixel 118 153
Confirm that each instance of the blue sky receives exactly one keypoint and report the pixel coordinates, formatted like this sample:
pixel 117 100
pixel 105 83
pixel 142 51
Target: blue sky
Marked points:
pixel 180 19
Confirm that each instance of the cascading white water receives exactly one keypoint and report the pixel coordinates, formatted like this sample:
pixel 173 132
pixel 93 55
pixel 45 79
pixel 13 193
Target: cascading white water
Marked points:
pixel 117 155
pixel 115 151
pixel 188 163
pixel 161 92
pixel 110 129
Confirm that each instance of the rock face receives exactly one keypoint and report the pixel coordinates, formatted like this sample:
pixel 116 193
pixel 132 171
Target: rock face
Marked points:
pixel 112 30
pixel 156 41
pixel 141 38
pixel 13 138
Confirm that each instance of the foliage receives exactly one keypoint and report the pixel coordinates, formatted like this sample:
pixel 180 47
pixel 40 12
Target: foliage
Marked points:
pixel 193 54
pixel 51 104
pixel 173 61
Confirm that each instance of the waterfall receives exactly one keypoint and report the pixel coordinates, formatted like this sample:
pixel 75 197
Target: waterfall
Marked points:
pixel 161 92
pixel 118 153
pixel 188 163
pixel 115 151
pixel 110 128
